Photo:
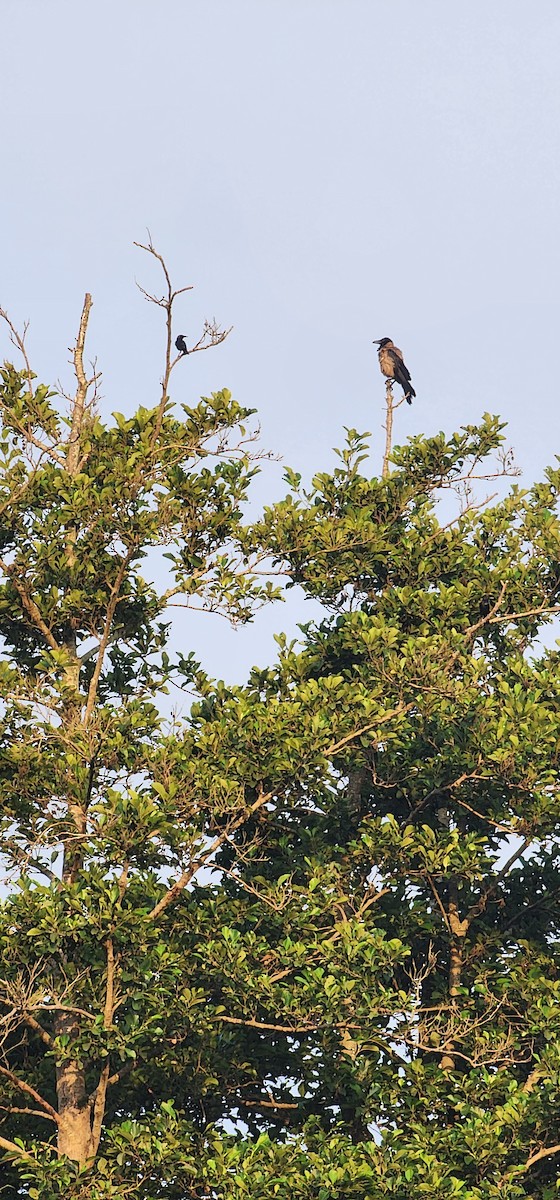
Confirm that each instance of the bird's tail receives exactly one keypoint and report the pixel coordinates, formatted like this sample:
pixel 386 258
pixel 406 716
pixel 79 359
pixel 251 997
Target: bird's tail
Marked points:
pixel 409 394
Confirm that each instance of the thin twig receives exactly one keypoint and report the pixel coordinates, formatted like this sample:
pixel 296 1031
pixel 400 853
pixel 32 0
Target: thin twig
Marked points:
pixel 437 899
pixel 18 340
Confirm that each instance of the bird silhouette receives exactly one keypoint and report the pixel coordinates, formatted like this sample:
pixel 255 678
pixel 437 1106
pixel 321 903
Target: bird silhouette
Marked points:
pixel 181 343
pixel 392 366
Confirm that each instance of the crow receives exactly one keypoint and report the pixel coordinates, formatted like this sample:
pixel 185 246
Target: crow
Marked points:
pixel 392 366
pixel 181 343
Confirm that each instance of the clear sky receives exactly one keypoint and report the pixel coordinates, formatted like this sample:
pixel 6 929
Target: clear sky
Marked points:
pixel 324 172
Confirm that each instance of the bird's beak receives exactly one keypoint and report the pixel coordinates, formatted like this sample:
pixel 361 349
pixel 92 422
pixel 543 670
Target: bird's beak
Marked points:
pixel 376 341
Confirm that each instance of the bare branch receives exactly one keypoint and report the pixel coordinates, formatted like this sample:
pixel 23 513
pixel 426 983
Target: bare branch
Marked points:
pixel 311 1027
pixel 166 302
pixel 491 885
pixel 113 601
pixel 280 1104
pixel 175 890
pixel 484 817
pixel 275 905
pixel 73 453
pixel 528 612
pixel 351 737
pixel 490 1059
pixel 17 1151
pixel 546 1152
pixel 18 340
pixel 437 899
pixel 122 1074
pixel 30 1091
pixel 211 335
pixel 486 620
pixel 110 987
pixel 534 1078
pixel 33 1112
pixel 38 1029
pixel 26 859
pixel 29 604
pixel 68 1008
pixel 512 858
pixel 391 405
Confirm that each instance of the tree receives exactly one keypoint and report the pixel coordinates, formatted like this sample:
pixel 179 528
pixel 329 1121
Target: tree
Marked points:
pixel 304 942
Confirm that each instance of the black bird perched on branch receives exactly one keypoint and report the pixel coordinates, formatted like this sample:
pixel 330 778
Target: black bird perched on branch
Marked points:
pixel 392 366
pixel 181 344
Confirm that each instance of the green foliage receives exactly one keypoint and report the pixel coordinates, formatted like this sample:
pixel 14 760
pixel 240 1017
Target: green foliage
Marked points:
pixel 303 943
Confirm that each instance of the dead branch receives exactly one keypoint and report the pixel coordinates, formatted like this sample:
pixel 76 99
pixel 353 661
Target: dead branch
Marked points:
pixel 484 817
pixel 26 859
pixel 438 901
pixel 18 340
pixel 391 405
pixel 491 885
pixel 79 401
pixel 211 335
pixel 69 1008
pixel 275 905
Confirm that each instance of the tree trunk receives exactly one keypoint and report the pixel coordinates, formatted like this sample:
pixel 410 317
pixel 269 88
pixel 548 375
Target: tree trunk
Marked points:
pixel 458 930
pixel 74 1130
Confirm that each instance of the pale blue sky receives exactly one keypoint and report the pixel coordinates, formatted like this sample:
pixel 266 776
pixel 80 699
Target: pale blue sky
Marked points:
pixel 325 172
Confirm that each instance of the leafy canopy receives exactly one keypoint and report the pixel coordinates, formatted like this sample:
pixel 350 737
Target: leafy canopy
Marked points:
pixel 303 942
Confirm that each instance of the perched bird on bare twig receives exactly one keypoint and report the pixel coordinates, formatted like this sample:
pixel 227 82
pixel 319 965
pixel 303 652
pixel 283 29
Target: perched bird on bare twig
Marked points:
pixel 392 366
pixel 181 343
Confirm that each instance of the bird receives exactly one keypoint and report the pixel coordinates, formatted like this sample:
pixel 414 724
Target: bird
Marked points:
pixel 392 366
pixel 181 343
